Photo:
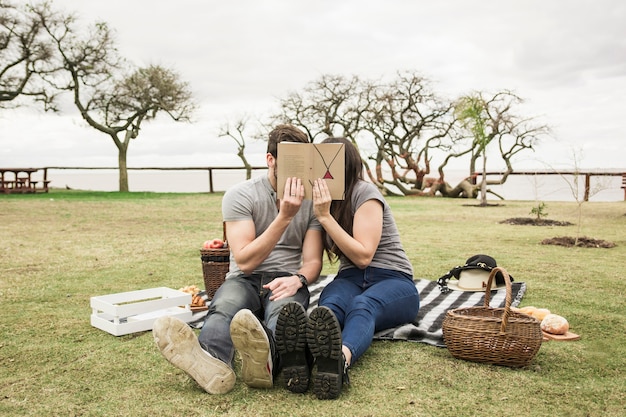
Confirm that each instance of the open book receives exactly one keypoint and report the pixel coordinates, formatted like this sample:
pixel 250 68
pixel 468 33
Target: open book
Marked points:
pixel 310 161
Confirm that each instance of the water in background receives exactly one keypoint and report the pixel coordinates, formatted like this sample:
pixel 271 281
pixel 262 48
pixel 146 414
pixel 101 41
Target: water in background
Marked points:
pixel 517 187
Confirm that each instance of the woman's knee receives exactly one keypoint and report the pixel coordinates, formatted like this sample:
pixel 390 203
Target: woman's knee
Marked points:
pixel 364 304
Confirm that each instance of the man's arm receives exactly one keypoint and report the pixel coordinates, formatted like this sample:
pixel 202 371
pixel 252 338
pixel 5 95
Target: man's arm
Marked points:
pixel 250 251
pixel 312 251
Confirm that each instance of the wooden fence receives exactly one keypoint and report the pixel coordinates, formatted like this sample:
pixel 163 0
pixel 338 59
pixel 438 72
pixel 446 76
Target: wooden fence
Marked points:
pixel 209 170
pixel 586 174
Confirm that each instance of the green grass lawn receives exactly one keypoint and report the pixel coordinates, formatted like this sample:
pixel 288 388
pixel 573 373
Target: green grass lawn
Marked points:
pixel 59 249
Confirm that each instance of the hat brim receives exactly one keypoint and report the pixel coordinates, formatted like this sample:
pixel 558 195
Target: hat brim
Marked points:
pixel 454 285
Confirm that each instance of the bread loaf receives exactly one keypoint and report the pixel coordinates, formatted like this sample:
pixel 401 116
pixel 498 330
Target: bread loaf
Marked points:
pixel 197 301
pixel 538 313
pixel 190 289
pixel 554 324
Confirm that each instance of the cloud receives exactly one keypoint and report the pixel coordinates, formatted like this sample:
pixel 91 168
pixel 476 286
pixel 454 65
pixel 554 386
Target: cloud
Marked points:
pixel 564 58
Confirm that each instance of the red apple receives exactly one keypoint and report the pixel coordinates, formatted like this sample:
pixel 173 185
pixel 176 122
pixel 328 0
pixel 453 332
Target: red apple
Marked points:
pixel 216 244
pixel 207 244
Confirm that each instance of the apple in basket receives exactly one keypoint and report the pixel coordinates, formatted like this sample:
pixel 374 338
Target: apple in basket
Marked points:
pixel 213 244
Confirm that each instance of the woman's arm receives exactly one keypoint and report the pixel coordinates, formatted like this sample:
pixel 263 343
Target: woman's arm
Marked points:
pixel 367 226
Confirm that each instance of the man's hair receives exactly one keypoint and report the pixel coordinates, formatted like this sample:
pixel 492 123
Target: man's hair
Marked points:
pixel 284 133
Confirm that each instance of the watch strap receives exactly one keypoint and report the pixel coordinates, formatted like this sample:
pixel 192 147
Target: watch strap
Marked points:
pixel 303 280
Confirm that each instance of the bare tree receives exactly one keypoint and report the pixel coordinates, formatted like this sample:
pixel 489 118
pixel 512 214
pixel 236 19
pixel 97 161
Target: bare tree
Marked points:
pixel 401 120
pixel 329 106
pixel 236 133
pixel 26 54
pixel 402 125
pixel 333 105
pixel 407 122
pixel 575 189
pixel 111 96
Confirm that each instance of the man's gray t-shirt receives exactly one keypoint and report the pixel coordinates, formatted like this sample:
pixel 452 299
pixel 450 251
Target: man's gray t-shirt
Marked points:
pixel 390 253
pixel 255 200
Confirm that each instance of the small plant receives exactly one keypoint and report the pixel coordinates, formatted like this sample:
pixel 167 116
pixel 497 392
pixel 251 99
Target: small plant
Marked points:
pixel 575 188
pixel 539 211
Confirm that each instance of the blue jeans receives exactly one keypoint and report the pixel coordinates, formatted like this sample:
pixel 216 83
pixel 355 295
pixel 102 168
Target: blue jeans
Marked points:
pixel 236 293
pixel 369 300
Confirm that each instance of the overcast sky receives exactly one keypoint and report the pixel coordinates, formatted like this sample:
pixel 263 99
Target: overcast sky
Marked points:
pixel 567 59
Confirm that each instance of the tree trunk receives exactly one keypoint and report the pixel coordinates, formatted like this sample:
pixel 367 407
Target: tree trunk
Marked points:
pixel 122 150
pixel 123 170
pixel 246 164
pixel 483 183
pixel 464 189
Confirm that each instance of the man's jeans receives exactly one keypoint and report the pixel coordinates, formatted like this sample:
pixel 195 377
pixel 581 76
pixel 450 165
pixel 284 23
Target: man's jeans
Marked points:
pixel 369 300
pixel 243 291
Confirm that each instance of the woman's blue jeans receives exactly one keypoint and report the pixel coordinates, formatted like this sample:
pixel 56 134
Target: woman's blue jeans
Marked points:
pixel 369 300
pixel 236 293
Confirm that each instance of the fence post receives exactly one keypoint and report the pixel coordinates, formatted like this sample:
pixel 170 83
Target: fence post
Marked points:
pixel 211 180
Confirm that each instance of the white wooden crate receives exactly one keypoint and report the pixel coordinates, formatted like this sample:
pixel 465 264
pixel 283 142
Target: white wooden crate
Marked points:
pixel 136 311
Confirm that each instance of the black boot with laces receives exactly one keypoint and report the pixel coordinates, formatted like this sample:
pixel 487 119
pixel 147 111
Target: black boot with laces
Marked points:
pixel 324 340
pixel 291 345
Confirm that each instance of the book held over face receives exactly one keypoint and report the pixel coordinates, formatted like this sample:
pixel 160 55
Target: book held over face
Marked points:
pixel 310 161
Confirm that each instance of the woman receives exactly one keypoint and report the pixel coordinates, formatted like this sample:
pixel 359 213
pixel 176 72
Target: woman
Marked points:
pixel 373 289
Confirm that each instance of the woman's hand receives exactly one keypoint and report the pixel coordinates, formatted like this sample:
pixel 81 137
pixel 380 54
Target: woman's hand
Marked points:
pixel 321 199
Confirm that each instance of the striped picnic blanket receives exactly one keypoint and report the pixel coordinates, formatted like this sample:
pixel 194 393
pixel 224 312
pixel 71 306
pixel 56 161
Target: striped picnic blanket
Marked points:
pixel 426 328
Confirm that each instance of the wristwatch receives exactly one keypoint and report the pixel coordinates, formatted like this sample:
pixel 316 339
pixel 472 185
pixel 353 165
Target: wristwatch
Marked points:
pixel 303 280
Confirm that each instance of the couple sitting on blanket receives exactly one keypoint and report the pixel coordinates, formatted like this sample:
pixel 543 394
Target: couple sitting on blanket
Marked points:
pixel 276 245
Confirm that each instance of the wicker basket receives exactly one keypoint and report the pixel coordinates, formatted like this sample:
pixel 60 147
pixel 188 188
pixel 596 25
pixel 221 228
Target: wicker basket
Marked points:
pixel 215 266
pixel 492 335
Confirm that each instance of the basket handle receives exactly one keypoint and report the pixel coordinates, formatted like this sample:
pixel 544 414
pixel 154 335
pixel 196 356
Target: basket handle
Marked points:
pixel 507 300
pixel 224 234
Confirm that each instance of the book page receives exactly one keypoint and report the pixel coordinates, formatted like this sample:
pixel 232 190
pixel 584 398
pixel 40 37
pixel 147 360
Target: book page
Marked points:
pixel 293 161
pixel 329 164
pixel 310 161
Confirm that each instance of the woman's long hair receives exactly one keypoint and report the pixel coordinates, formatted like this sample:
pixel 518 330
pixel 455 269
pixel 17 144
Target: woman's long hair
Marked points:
pixel 341 210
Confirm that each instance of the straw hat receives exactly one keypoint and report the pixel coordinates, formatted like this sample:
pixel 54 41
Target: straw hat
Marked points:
pixel 472 276
pixel 471 280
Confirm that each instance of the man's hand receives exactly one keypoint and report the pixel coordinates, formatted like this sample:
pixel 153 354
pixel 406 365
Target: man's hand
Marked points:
pixel 292 197
pixel 283 287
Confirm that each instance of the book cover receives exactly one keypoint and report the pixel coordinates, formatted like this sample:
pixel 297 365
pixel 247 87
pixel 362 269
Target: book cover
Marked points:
pixel 310 161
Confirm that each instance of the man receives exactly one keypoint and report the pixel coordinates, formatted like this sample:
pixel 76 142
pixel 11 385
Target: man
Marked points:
pixel 276 251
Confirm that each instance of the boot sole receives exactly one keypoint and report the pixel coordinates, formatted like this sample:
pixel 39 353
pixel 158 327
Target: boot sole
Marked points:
pixel 179 345
pixel 250 340
pixel 291 345
pixel 324 340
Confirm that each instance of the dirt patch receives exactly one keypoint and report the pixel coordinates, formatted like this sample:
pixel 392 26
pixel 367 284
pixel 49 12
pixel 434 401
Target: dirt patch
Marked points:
pixel 528 221
pixel 567 241
pixel 484 205
pixel 583 242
